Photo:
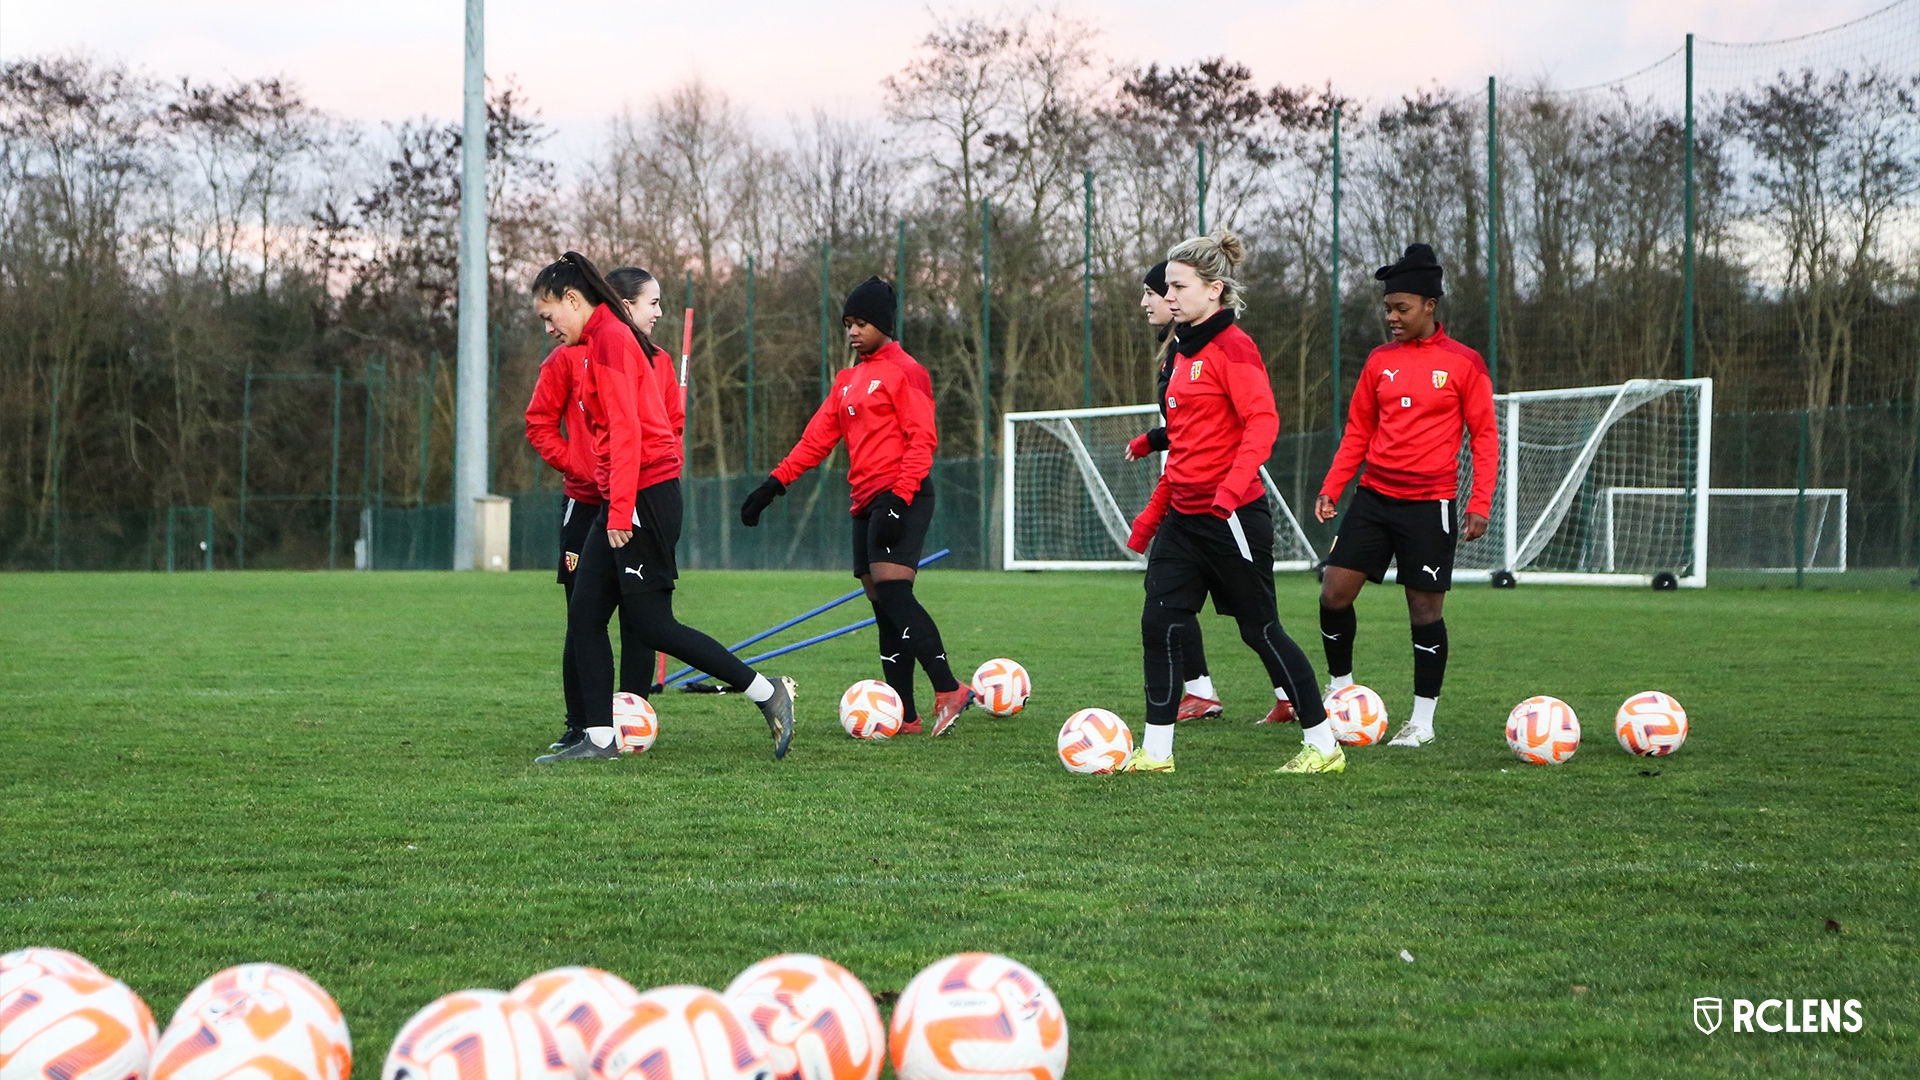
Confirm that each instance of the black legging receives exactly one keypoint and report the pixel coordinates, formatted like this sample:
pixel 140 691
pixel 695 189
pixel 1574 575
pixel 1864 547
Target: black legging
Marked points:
pixel 1163 631
pixel 636 665
pixel 652 623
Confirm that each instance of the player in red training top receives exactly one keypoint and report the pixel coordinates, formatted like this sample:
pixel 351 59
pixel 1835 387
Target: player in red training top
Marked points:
pixel 882 407
pixel 1208 520
pixel 628 557
pixel 1415 395
pixel 1200 699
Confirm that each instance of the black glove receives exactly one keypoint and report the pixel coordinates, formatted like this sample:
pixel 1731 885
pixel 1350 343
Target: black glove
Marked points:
pixel 889 515
pixel 759 499
pixel 1157 438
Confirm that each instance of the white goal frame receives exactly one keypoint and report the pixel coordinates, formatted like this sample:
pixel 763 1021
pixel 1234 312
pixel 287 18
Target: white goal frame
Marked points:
pixel 1511 405
pixel 1117 522
pixel 1782 492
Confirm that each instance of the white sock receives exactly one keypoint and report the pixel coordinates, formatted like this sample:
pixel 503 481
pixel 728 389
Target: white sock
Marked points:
pixel 600 736
pixel 1159 741
pixel 1341 682
pixel 1202 687
pixel 1423 712
pixel 1280 692
pixel 1320 737
pixel 760 689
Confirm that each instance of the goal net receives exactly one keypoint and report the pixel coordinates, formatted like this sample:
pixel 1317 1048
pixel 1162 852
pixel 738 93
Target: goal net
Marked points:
pixel 1603 485
pixel 1072 495
pixel 1765 529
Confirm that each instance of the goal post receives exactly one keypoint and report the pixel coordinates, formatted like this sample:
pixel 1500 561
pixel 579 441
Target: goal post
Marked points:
pixel 1564 452
pixel 1760 529
pixel 1071 495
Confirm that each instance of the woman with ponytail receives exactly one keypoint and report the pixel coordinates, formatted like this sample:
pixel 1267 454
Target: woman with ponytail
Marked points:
pixel 1208 522
pixel 628 561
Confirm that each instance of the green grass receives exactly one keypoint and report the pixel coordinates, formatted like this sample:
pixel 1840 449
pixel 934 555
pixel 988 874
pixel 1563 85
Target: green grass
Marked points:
pixel 333 771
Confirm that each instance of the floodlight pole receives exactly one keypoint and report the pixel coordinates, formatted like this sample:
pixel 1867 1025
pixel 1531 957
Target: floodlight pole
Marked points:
pixel 1686 303
pixel 470 399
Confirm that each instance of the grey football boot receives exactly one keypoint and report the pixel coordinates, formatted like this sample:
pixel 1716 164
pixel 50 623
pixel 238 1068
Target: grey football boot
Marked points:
pixel 568 738
pixel 778 710
pixel 583 749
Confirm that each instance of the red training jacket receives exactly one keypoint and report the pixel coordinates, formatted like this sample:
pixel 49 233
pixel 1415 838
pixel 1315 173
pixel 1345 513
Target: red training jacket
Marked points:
pixel 1221 421
pixel 1405 419
pixel 883 407
pixel 556 395
pixel 634 444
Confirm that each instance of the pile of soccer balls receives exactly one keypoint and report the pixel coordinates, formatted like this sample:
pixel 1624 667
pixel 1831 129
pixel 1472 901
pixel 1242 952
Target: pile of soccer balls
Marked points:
pixel 794 1015
pixel 1541 730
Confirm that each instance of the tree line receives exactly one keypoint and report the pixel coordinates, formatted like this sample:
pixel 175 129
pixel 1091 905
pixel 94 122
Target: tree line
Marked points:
pixel 160 239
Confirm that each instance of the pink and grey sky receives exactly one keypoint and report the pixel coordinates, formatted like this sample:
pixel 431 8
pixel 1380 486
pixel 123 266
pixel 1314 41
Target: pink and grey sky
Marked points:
pixel 577 60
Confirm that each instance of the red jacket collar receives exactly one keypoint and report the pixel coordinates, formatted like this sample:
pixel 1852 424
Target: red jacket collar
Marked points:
pixel 1439 337
pixel 890 351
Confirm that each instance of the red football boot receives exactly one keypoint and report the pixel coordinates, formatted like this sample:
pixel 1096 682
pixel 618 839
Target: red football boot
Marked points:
pixel 911 727
pixel 1195 707
pixel 947 708
pixel 1282 714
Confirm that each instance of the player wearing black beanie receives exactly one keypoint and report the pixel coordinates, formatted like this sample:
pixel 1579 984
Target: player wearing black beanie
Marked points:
pixel 882 407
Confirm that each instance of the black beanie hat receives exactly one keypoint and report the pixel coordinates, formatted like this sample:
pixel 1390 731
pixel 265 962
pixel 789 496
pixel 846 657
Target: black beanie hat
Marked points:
pixel 871 302
pixel 1156 279
pixel 1418 272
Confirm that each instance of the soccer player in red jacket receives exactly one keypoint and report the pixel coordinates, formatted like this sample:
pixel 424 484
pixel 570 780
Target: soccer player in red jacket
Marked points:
pixel 1199 699
pixel 1208 521
pixel 882 407
pixel 628 561
pixel 1415 396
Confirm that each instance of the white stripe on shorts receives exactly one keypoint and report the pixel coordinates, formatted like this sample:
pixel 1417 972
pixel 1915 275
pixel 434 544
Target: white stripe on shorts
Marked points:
pixel 1446 526
pixel 568 516
pixel 1239 535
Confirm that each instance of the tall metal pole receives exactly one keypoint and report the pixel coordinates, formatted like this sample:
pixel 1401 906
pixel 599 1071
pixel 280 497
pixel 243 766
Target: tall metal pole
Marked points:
pixel 1339 414
pixel 1800 513
pixel 1686 303
pixel 826 314
pixel 333 488
pixel 1493 236
pixel 1200 184
pixel 749 365
pixel 470 401
pixel 246 429
pixel 900 284
pixel 1086 305
pixel 53 464
pixel 986 372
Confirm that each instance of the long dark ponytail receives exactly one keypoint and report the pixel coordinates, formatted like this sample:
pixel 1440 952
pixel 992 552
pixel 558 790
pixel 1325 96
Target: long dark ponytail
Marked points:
pixel 577 273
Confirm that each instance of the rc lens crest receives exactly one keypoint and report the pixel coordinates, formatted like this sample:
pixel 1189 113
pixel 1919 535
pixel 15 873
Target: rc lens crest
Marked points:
pixel 1193 373
pixel 1439 380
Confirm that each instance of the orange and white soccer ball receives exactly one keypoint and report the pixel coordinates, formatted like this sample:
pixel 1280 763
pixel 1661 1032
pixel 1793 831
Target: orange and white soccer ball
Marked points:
pixel 1358 716
pixel 580 1005
pixel 683 1033
pixel 635 724
pixel 75 1027
pixel 476 1035
pixel 870 709
pixel 978 1014
pixel 1650 724
pixel 818 1021
pixel 25 965
pixel 1094 741
pixel 1543 730
pixel 1002 687
pixel 255 1019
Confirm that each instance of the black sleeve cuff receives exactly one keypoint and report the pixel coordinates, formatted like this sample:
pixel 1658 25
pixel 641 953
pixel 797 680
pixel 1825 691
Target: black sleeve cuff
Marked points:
pixel 1157 438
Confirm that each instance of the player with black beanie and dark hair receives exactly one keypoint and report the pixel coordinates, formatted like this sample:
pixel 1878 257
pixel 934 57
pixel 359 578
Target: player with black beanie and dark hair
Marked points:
pixel 1415 396
pixel 882 406
pixel 1208 523
pixel 628 561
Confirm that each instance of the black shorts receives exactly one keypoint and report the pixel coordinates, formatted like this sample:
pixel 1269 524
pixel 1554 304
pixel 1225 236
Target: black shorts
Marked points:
pixel 912 539
pixel 1419 533
pixel 645 562
pixel 576 521
pixel 1197 554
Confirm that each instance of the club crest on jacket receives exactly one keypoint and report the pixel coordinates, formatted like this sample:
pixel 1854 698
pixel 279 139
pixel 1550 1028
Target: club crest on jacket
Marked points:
pixel 1193 373
pixel 1439 380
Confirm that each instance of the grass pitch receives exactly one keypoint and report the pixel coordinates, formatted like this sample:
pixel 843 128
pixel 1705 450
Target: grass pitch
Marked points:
pixel 333 771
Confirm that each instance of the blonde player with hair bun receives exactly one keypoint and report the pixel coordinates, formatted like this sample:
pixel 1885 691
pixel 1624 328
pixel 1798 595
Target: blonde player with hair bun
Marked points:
pixel 1208 521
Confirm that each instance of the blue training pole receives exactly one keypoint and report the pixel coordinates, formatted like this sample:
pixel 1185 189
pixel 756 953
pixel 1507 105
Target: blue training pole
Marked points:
pixel 683 673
